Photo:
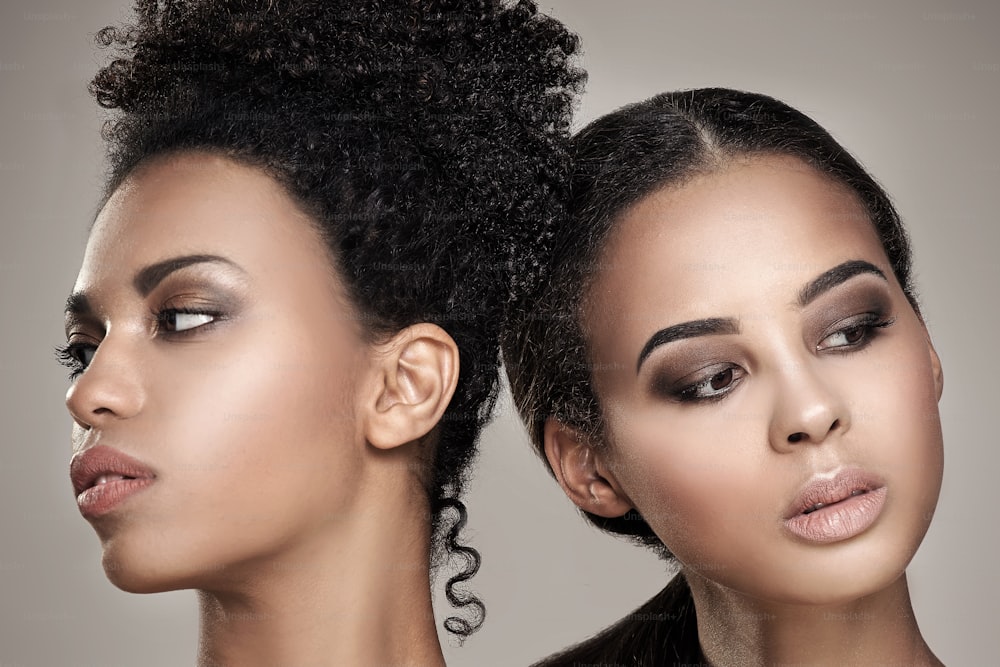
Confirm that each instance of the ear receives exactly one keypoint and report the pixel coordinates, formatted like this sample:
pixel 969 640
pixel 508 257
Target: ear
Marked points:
pixel 935 365
pixel 582 473
pixel 415 377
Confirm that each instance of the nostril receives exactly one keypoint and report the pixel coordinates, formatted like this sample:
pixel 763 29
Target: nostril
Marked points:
pixel 796 437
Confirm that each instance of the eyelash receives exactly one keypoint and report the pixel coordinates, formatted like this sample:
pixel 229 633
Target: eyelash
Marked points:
pixel 70 354
pixel 67 355
pixel 689 394
pixel 870 324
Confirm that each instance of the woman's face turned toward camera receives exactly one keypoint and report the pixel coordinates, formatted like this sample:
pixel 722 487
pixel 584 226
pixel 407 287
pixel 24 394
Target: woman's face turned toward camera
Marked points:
pixel 770 395
pixel 225 356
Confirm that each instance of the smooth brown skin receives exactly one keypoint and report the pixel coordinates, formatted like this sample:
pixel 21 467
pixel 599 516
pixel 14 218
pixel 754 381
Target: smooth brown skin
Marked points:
pixel 285 445
pixel 715 479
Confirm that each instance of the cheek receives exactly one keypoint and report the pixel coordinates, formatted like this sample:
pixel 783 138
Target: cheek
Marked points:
pixel 260 447
pixel 898 423
pixel 252 458
pixel 698 492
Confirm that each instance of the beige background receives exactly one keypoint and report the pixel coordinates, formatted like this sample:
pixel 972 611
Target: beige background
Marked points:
pixel 912 88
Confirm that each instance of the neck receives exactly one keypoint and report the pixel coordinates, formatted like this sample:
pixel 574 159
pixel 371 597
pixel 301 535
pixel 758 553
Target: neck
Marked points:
pixel 360 597
pixel 878 629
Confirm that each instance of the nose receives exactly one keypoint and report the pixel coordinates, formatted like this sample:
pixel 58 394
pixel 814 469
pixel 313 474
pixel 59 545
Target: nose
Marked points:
pixel 808 408
pixel 108 390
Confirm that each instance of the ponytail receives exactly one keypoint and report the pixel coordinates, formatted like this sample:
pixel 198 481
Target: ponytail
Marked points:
pixel 660 633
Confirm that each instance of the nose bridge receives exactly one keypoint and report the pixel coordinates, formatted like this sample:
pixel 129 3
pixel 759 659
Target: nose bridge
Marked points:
pixel 807 405
pixel 110 388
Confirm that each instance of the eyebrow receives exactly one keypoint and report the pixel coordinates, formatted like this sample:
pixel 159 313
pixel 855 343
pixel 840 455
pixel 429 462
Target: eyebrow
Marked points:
pixel 712 326
pixel 148 278
pixel 835 276
pixel 727 325
pixel 77 304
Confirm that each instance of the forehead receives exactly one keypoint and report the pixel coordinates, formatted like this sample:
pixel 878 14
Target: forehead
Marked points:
pixel 762 225
pixel 200 203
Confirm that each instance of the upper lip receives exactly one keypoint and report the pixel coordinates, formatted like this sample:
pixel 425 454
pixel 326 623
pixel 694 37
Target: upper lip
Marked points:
pixel 825 489
pixel 87 466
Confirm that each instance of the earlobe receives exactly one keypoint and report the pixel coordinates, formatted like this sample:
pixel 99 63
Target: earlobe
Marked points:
pixel 415 374
pixel 581 473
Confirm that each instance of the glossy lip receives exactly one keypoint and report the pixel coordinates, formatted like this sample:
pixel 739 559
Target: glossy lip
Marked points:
pixel 832 509
pixel 89 465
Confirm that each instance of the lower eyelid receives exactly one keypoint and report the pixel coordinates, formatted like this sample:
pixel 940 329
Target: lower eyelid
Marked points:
pixel 673 389
pixel 872 327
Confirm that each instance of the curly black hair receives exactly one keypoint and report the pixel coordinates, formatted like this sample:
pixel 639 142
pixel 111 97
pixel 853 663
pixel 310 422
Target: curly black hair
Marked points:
pixel 426 139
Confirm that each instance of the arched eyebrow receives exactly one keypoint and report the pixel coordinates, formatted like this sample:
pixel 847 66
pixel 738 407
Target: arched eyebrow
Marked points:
pixel 147 278
pixel 835 276
pixel 713 326
pixel 727 325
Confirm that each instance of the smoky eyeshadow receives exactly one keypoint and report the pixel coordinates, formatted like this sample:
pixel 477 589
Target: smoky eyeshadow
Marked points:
pixel 680 364
pixel 205 284
pixel 861 295
pixel 687 362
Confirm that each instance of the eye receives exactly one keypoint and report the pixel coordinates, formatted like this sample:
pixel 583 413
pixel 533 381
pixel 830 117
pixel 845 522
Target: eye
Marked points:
pixel 856 333
pixel 716 383
pixel 76 357
pixel 845 338
pixel 174 320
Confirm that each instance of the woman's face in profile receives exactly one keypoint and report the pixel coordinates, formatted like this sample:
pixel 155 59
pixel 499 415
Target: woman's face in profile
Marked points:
pixel 225 357
pixel 770 394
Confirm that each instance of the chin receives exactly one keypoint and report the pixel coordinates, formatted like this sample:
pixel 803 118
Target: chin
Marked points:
pixel 146 570
pixel 133 579
pixel 843 590
pixel 846 578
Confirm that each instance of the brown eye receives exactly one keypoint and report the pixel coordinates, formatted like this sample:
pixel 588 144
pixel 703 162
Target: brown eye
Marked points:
pixel 857 333
pixel 711 387
pixel 854 335
pixel 721 380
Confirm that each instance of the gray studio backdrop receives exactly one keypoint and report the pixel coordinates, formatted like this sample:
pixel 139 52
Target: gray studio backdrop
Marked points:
pixel 913 88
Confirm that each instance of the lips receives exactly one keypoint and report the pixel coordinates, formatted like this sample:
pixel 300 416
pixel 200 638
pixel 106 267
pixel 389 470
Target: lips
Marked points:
pixel 837 508
pixel 103 477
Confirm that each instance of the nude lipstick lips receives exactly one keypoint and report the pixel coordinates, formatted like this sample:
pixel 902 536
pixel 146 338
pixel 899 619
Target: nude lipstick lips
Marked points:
pixel 104 477
pixel 837 508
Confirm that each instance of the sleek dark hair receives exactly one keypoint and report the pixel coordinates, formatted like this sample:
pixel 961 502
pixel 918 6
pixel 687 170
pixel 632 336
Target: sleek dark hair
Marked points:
pixel 426 139
pixel 618 160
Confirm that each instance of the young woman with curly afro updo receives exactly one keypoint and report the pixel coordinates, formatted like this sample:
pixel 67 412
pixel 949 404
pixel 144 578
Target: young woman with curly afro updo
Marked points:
pixel 284 336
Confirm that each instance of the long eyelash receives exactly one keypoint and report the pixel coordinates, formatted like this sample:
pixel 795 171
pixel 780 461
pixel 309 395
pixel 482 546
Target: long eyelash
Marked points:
pixel 884 323
pixel 873 322
pixel 65 356
pixel 877 321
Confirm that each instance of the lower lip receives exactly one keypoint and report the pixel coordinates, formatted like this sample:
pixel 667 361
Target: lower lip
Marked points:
pixel 841 520
pixel 103 498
